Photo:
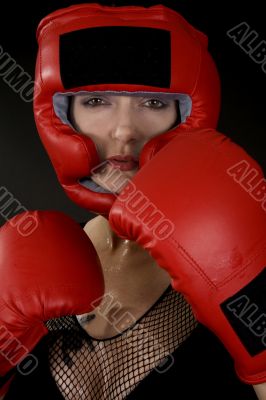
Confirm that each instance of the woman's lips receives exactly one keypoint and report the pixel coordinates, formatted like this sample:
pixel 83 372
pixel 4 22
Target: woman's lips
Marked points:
pixel 124 163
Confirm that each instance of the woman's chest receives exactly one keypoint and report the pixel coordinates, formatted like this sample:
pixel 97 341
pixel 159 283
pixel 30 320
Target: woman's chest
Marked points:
pixel 111 368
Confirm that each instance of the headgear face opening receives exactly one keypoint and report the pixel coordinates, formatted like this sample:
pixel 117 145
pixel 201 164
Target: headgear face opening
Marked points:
pixel 128 50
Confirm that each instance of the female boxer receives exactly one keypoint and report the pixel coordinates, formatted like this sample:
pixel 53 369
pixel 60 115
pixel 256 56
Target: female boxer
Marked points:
pixel 110 82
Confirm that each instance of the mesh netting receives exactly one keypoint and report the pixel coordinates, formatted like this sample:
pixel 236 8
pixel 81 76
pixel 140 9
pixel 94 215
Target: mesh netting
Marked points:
pixel 87 368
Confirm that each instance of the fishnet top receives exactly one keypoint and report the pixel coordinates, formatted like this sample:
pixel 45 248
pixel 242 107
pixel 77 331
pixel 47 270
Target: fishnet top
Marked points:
pixel 97 369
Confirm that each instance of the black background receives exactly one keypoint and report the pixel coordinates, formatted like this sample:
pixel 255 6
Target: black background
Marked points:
pixel 25 169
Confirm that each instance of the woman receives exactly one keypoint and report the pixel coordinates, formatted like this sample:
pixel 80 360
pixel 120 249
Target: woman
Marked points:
pixel 120 126
pixel 143 335
pixel 128 318
pixel 98 107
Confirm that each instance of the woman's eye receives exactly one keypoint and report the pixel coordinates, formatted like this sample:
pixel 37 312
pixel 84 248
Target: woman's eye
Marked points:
pixel 154 103
pixel 95 101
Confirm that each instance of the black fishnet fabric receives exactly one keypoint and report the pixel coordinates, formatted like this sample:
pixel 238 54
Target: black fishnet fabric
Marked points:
pixel 87 368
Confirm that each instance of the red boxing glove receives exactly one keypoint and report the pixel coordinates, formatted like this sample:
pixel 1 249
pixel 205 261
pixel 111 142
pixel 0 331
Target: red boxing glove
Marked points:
pixel 198 206
pixel 49 269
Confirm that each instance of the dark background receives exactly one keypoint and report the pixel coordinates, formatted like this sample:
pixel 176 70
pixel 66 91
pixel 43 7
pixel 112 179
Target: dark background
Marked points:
pixel 25 169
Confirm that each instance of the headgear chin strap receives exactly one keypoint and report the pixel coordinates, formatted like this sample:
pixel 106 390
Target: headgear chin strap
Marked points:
pixel 129 49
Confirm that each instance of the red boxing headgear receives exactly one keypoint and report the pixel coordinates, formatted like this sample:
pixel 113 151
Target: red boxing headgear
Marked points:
pixel 128 49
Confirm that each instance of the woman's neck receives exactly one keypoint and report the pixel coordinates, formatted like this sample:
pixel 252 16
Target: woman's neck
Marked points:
pixel 100 232
pixel 133 281
pixel 129 270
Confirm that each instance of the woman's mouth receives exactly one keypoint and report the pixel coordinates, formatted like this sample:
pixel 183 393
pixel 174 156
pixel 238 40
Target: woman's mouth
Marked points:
pixel 124 163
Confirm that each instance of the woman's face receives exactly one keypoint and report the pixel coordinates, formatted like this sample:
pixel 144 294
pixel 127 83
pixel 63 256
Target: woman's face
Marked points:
pixel 121 125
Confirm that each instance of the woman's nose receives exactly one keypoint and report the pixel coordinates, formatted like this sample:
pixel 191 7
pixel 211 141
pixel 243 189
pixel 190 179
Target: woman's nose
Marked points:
pixel 124 133
pixel 125 127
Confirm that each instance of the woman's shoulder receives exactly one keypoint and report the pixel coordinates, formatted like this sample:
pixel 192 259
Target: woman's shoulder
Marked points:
pixel 93 226
pixel 87 225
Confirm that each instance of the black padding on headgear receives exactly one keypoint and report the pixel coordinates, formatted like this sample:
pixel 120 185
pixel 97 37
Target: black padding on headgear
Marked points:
pixel 115 55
